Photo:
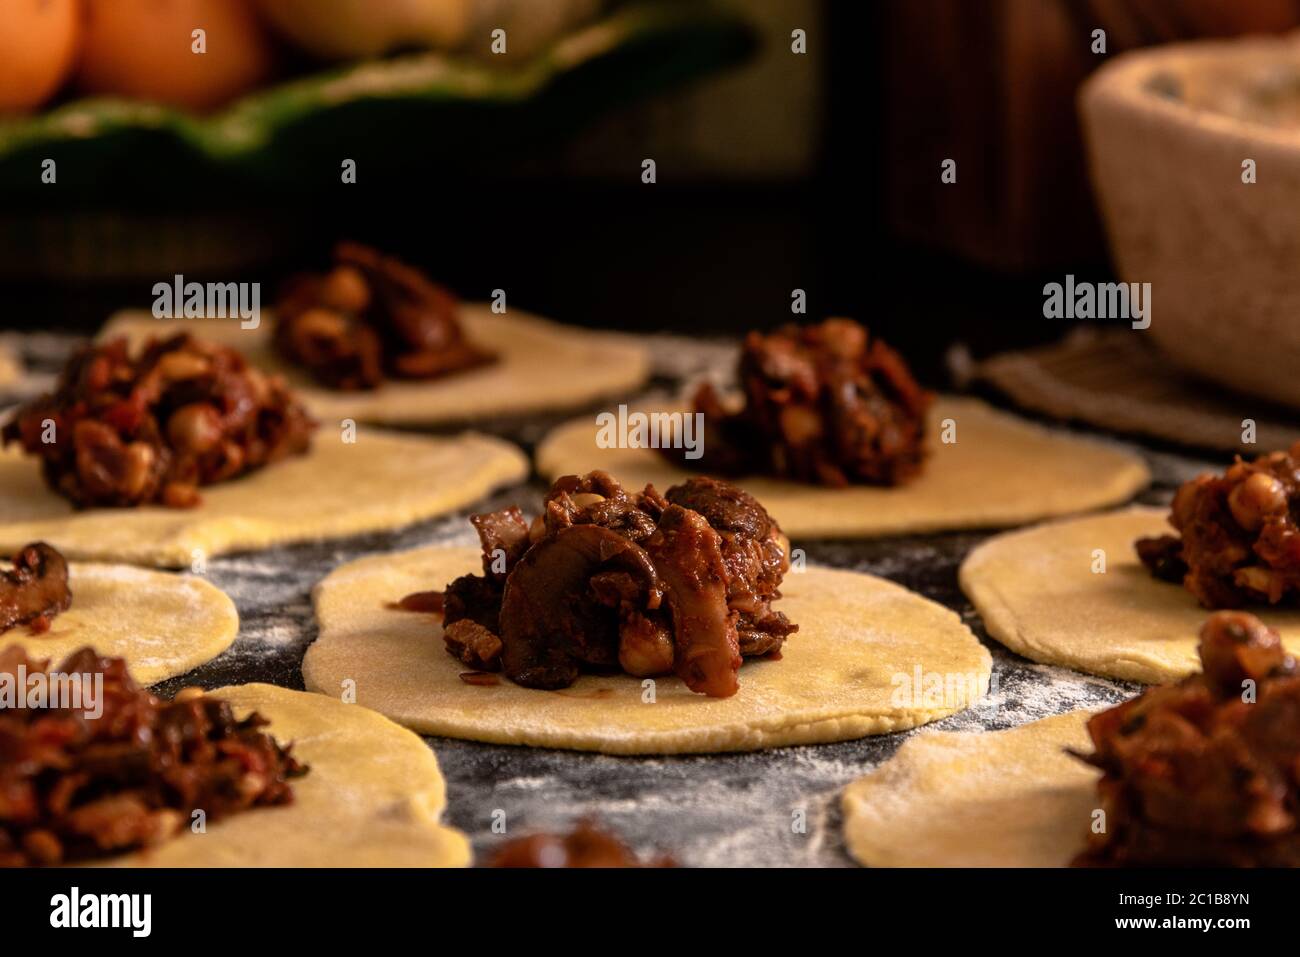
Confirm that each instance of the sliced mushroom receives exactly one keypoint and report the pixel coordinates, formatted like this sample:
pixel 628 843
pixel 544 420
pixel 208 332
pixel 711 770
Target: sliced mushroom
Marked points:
pixel 687 553
pixel 754 553
pixel 36 586
pixel 551 621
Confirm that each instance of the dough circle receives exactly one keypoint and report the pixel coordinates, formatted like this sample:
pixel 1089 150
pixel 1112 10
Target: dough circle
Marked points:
pixel 380 482
pixel 1000 471
pixel 162 624
pixel 969 799
pixel 10 371
pixel 856 635
pixel 541 366
pixel 1037 593
pixel 373 797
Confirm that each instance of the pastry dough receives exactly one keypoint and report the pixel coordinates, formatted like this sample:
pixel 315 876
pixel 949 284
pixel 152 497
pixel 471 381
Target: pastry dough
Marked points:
pixel 1038 595
pixel 373 797
pixel 379 482
pixel 836 681
pixel 541 366
pixel 162 624
pixel 993 799
pixel 1000 471
pixel 10 370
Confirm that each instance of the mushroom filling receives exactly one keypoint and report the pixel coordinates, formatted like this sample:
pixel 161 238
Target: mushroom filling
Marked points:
pixel 1238 539
pixel 826 404
pixel 369 318
pixel 76 785
pixel 648 584
pixel 35 589
pixel 1205 772
pixel 122 431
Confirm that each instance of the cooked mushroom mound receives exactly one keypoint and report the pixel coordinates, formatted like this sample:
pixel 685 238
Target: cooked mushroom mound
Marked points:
pixel 1205 772
pixel 827 404
pixel 35 589
pixel 369 318
pixel 1239 542
pixel 121 430
pixel 110 768
pixel 651 584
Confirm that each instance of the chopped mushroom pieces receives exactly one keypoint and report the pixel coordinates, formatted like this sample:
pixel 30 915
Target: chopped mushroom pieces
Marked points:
pixel 76 784
pixel 121 430
pixel 648 584
pixel 35 589
pixel 369 318
pixel 1238 540
pixel 826 404
pixel 1205 772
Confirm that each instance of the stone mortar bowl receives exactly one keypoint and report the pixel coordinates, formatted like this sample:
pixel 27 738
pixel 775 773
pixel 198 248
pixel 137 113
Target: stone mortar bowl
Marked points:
pixel 1168 130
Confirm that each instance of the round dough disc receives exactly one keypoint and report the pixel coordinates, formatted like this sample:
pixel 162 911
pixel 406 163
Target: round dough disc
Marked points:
pixel 373 797
pixel 541 366
pixel 162 624
pixel 1038 595
pixel 837 679
pixel 10 370
pixel 1000 471
pixel 968 799
pixel 381 481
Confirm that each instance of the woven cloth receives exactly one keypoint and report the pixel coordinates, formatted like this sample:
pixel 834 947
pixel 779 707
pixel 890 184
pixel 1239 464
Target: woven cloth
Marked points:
pixel 1112 379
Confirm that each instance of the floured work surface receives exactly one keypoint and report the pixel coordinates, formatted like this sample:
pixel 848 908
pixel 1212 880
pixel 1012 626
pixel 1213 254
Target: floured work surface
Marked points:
pixel 727 809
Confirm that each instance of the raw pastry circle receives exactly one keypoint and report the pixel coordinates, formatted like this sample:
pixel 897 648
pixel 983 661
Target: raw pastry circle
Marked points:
pixel 382 481
pixel 1000 471
pixel 373 797
pixel 1037 593
pixel 835 681
pixel 10 370
pixel 541 366
pixel 968 799
pixel 162 624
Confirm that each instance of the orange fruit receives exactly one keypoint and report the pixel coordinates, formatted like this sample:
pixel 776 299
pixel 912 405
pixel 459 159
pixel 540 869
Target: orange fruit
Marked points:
pixel 145 49
pixel 38 41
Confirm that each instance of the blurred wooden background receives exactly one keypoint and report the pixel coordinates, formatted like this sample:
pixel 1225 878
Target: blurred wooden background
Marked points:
pixel 991 83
